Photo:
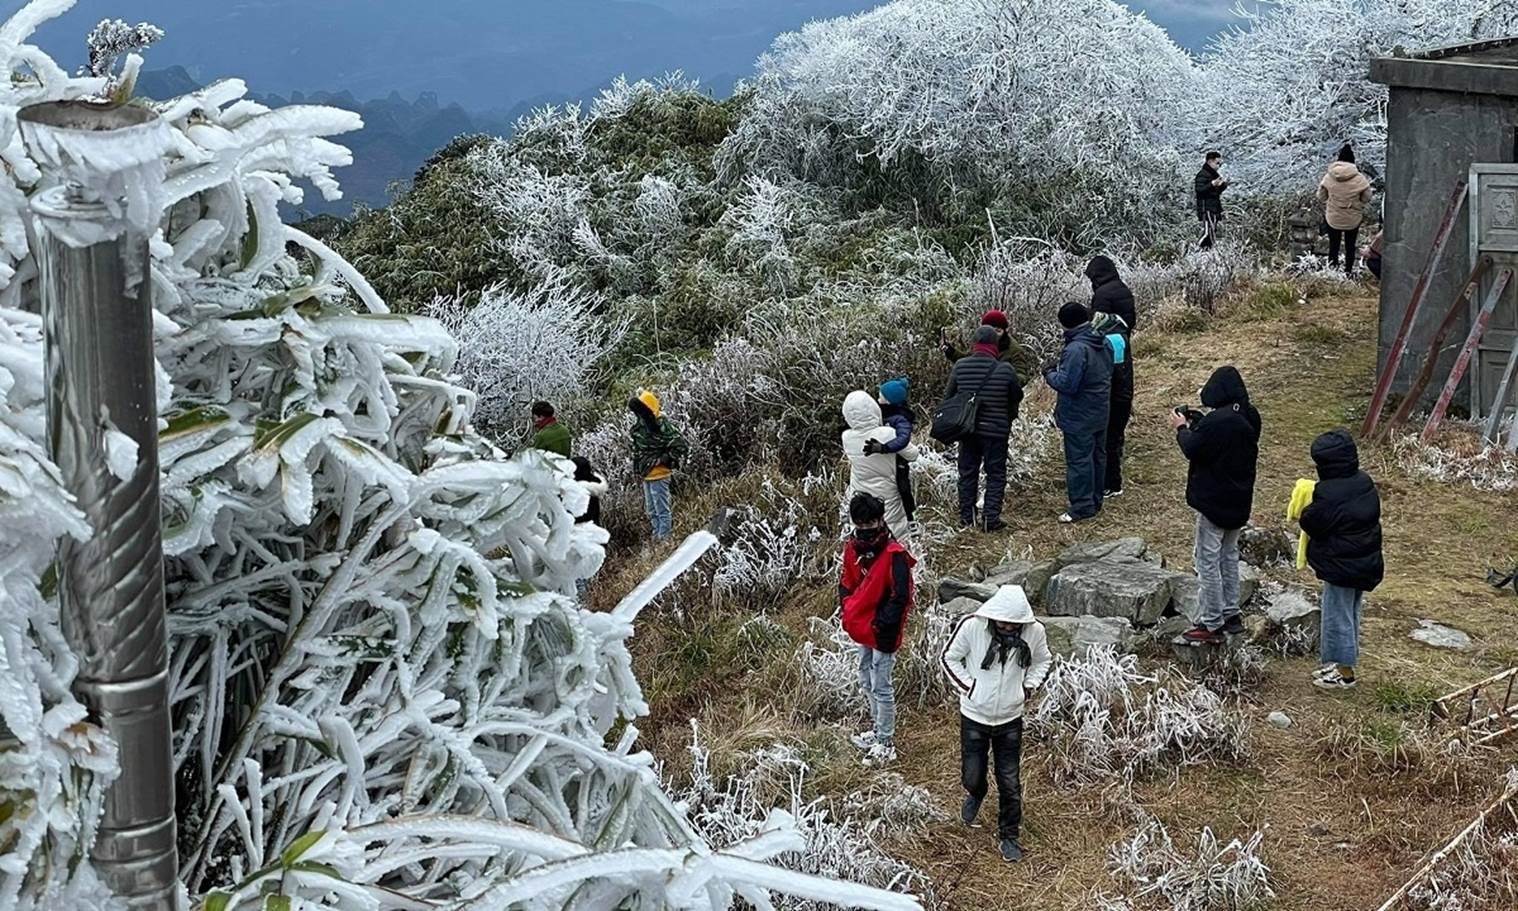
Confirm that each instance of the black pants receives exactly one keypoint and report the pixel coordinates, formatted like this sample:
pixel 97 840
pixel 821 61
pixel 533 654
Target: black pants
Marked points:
pixel 976 451
pixel 1209 230
pixel 1005 743
pixel 1085 471
pixel 904 487
pixel 1117 437
pixel 1347 238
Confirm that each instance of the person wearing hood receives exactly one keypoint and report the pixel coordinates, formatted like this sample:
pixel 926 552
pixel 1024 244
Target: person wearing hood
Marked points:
pixel 998 392
pixel 1008 349
pixel 1344 191
pixel 872 470
pixel 547 433
pixel 875 596
pixel 1113 316
pixel 1083 380
pixel 657 448
pixel 1209 186
pixel 996 658
pixel 1222 448
pixel 1343 528
pixel 898 416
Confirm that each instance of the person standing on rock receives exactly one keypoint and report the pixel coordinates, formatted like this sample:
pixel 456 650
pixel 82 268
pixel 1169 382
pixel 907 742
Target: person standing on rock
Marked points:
pixel 995 659
pixel 1222 449
pixel 999 393
pixel 1008 349
pixel 1083 379
pixel 872 469
pixel 1343 528
pixel 1344 191
pixel 1209 186
pixel 1114 316
pixel 875 596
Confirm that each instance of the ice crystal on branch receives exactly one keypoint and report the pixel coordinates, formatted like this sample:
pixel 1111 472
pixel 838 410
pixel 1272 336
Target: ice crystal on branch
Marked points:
pixel 113 37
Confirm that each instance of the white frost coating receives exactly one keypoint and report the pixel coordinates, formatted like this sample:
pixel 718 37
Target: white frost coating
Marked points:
pixel 120 454
pixel 123 169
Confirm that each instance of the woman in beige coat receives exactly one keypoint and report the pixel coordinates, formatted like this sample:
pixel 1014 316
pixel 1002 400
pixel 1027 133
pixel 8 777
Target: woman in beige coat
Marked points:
pixel 1344 191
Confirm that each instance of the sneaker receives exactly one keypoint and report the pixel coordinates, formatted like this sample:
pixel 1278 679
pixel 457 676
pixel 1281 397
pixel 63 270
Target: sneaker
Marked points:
pixel 994 526
pixel 1112 494
pixel 1011 851
pixel 881 754
pixel 1068 519
pixel 1334 682
pixel 1202 634
pixel 864 740
pixel 970 809
pixel 1325 670
pixel 1234 626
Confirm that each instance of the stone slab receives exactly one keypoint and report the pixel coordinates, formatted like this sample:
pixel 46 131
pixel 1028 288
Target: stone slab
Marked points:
pixel 1137 592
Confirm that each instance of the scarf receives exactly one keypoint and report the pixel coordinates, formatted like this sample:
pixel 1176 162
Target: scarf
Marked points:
pixel 869 543
pixel 1002 643
pixel 540 423
pixel 988 348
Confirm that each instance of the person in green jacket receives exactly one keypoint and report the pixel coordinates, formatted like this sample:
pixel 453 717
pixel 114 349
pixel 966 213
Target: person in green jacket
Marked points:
pixel 657 448
pixel 548 434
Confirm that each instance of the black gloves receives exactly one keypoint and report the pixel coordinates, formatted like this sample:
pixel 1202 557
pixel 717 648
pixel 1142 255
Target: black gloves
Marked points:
pixel 873 447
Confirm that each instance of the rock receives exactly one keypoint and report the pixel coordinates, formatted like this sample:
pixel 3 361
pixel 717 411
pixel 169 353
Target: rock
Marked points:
pixel 1440 636
pixel 1037 580
pixel 1188 590
pixel 960 606
pixel 1014 572
pixel 976 573
pixel 1319 829
pixel 1170 627
pixel 1078 635
pixel 1123 550
pixel 1279 719
pixel 1273 546
pixel 952 588
pixel 1290 611
pixel 1136 592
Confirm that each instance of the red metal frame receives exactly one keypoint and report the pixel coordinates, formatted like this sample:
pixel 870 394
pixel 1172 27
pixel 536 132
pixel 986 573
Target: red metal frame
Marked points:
pixel 1499 406
pixel 1463 362
pixel 1414 304
pixel 1458 309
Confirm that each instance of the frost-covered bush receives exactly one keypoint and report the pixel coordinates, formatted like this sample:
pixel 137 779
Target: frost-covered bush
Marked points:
pixel 1217 877
pixel 1286 89
pixel 1028 283
pixel 381 693
pixel 546 343
pixel 827 670
pixel 1105 721
pixel 776 545
pixel 1198 279
pixel 1458 455
pixel 762 221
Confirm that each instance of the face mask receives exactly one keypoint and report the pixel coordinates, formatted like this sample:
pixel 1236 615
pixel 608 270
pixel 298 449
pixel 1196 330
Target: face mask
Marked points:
pixel 870 540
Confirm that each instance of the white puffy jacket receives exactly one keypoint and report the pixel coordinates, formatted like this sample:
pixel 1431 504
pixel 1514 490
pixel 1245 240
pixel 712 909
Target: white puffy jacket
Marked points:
pixel 995 695
pixel 875 474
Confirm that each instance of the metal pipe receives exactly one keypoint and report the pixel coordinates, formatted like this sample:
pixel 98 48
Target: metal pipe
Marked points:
pixel 97 311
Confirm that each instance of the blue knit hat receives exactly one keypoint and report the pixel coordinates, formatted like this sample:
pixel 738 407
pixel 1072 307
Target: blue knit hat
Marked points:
pixel 895 391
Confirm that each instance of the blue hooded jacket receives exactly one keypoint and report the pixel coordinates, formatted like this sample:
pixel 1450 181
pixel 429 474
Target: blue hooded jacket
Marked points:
pixel 896 413
pixel 1083 380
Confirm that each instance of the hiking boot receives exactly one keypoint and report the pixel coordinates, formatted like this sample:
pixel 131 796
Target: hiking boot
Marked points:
pixel 1011 851
pixel 1202 634
pixel 879 755
pixel 1234 626
pixel 1334 681
pixel 994 525
pixel 970 809
pixel 864 740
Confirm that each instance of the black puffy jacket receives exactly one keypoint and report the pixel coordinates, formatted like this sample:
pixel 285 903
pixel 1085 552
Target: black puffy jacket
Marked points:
pixel 1001 391
pixel 1110 295
pixel 1209 199
pixel 1343 522
pixel 1223 449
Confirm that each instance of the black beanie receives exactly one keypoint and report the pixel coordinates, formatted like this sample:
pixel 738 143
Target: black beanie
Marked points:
pixel 1074 314
pixel 1347 153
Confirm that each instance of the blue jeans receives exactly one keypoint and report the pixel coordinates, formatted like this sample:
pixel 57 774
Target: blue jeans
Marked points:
pixel 1340 639
pixel 1217 571
pixel 660 507
pixel 1085 471
pixel 875 677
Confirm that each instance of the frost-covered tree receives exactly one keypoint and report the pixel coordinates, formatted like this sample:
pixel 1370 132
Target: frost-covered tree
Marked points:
pixel 382 696
pixel 1285 90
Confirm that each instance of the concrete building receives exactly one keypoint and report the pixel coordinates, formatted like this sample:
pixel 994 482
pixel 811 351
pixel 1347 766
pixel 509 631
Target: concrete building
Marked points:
pixel 1453 112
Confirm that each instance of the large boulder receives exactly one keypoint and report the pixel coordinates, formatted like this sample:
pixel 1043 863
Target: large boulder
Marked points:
pixel 1077 635
pixel 1188 591
pixel 959 607
pixel 1013 572
pixel 1136 592
pixel 952 589
pixel 1123 550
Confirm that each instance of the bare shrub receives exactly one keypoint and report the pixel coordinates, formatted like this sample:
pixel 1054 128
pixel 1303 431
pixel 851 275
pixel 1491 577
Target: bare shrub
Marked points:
pixel 775 547
pixel 1216 877
pixel 1458 455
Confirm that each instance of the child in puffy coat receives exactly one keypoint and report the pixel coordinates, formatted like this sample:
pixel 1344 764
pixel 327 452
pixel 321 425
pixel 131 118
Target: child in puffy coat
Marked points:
pixel 897 415
pixel 995 658
pixel 875 594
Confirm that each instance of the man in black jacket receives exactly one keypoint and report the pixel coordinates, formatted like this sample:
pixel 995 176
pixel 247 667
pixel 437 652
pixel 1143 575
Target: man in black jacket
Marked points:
pixel 1343 528
pixel 1222 448
pixel 999 392
pixel 1209 186
pixel 1109 295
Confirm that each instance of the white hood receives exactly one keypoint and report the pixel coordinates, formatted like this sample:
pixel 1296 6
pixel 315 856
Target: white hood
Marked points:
pixel 861 411
pixel 1008 605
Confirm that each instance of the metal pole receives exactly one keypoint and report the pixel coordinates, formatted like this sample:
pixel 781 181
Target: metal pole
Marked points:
pixel 97 311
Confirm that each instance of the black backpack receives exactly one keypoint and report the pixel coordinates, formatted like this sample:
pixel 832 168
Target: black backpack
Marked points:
pixel 955 417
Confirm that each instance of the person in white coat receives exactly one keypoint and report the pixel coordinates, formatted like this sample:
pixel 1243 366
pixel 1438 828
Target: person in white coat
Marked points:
pixel 874 473
pixel 995 658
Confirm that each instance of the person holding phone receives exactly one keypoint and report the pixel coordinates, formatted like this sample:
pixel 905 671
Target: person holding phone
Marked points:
pixel 1209 185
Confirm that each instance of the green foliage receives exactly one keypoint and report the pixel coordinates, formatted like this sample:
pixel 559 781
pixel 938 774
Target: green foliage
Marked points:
pixel 1270 301
pixel 1398 698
